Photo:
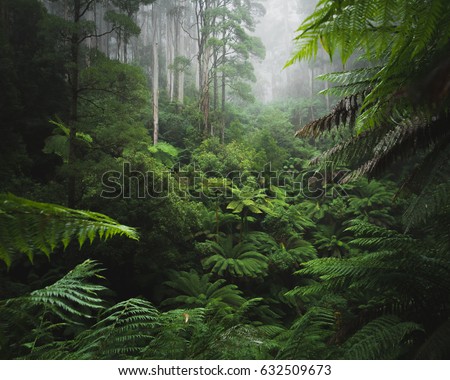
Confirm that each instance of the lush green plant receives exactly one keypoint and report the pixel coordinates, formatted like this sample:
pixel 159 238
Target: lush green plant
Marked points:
pixel 236 260
pixel 27 226
pixel 198 291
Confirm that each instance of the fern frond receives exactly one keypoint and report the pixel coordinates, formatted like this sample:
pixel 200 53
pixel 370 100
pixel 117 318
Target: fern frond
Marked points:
pixel 344 112
pixel 27 226
pixel 123 330
pixel 382 338
pixel 309 334
pixel 73 295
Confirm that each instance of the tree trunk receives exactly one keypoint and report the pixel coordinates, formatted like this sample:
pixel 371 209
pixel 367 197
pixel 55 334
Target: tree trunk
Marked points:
pixel 224 81
pixel 180 53
pixel 73 117
pixel 155 75
pixel 311 89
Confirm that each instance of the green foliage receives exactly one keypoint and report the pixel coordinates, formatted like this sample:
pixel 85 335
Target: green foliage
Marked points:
pixel 396 106
pixel 28 226
pixel 271 273
pixel 197 291
pixel 71 296
pixel 70 300
pixel 58 143
pixel 165 153
pixel 383 338
pixel 236 260
pixel 308 335
pixel 123 330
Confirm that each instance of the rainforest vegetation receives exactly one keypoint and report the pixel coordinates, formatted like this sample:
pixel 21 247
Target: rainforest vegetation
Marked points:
pixel 165 195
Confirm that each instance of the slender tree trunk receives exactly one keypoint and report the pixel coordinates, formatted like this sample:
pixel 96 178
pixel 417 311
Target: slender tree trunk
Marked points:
pixel 204 100
pixel 216 81
pixel 155 75
pixel 169 59
pixel 180 52
pixel 311 89
pixel 73 118
pixel 170 49
pixel 224 81
pixel 125 49
pixel 119 44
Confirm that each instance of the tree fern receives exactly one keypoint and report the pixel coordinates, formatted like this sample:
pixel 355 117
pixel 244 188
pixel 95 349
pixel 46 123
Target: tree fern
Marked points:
pixel 382 338
pixel 197 291
pixel 27 226
pixel 237 260
pixel 399 104
pixel 73 295
pixel 307 338
pixel 123 330
pixel 72 300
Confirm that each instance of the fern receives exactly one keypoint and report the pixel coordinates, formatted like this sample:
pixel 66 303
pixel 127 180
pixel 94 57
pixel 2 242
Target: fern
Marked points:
pixel 197 291
pixel 123 330
pixel 181 334
pixel 394 108
pixel 71 301
pixel 27 226
pixel 309 334
pixel 73 295
pixel 237 260
pixel 382 338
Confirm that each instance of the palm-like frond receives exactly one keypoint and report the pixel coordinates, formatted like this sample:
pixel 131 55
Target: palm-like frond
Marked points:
pixel 27 226
pixel 123 330
pixel 198 291
pixel 43 312
pixel 399 105
pixel 73 295
pixel 309 334
pixel 382 338
pixel 237 260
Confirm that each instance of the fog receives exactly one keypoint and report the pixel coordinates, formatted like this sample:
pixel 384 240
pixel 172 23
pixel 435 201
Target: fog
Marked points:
pixel 277 31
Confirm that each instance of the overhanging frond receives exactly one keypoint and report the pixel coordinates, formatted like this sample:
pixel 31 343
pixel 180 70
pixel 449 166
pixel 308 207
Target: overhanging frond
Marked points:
pixel 27 227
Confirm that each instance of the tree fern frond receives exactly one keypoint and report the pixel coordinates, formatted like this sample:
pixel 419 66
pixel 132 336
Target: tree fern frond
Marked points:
pixel 309 334
pixel 382 338
pixel 123 330
pixel 72 295
pixel 401 142
pixel 344 112
pixel 27 226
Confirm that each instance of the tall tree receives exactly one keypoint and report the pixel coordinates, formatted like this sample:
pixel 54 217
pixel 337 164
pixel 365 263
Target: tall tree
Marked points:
pixel 224 48
pixel 155 71
pixel 75 29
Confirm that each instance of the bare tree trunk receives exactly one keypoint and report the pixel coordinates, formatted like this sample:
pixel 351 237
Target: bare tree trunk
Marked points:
pixel 155 75
pixel 180 53
pixel 204 100
pixel 215 81
pixel 311 89
pixel 125 49
pixel 169 59
pixel 73 117
pixel 173 55
pixel 224 82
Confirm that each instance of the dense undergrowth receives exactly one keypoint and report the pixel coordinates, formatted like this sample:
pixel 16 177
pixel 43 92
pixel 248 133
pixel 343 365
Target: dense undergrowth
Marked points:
pixel 241 248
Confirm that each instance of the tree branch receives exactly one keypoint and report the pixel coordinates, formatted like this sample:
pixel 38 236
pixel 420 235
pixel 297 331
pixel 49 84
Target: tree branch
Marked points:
pixel 88 5
pixel 98 35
